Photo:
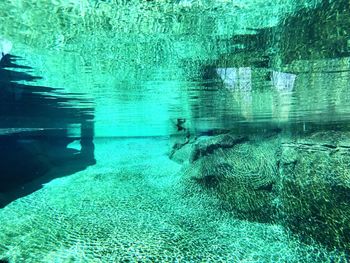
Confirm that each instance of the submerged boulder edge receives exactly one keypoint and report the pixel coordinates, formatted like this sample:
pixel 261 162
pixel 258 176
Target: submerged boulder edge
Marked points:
pixel 300 182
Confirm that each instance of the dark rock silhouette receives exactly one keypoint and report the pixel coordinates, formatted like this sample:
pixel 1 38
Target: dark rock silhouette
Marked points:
pixel 34 133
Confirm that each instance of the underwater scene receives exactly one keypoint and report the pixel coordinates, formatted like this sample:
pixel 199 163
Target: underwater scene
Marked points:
pixel 174 131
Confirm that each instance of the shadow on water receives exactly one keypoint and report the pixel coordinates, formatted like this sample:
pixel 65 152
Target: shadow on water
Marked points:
pixel 35 132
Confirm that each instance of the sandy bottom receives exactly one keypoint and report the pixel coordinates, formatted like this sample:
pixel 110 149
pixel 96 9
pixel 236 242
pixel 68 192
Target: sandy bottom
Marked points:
pixel 134 206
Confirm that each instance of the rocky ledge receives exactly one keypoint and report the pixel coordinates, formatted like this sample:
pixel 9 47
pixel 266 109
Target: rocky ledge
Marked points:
pixel 301 182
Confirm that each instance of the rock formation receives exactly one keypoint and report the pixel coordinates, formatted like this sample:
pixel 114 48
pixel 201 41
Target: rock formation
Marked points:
pixel 300 182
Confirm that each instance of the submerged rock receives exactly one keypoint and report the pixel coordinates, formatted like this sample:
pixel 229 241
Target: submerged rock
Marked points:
pixel 181 149
pixel 314 187
pixel 301 183
pixel 208 145
pixel 240 171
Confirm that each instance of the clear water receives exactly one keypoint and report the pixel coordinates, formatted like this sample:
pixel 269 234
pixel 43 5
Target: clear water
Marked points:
pixel 95 94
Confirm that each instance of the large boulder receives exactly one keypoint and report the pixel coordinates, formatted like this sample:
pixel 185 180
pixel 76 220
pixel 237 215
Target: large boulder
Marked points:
pixel 302 183
pixel 240 171
pixel 314 187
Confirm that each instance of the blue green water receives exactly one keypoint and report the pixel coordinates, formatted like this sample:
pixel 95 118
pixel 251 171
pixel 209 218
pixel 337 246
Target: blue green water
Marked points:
pixel 174 131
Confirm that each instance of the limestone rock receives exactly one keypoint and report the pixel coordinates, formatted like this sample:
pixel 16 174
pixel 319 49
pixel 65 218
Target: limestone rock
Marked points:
pixel 302 183
pixel 207 145
pixel 314 187
pixel 241 173
pixel 181 153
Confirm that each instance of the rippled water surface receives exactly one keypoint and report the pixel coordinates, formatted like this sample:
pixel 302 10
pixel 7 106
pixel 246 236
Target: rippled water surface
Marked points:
pixel 143 64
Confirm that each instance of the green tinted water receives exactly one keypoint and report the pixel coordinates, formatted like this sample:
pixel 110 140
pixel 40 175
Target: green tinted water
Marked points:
pixel 146 63
pixel 94 70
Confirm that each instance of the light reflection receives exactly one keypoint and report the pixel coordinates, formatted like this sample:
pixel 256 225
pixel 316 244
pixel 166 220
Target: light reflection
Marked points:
pixel 283 81
pixel 236 78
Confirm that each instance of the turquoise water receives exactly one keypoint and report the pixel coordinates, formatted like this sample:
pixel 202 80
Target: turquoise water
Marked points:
pixel 174 131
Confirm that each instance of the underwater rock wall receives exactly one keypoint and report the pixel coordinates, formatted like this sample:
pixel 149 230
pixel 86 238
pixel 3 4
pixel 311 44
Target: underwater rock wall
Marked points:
pixel 240 171
pixel 314 187
pixel 302 183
